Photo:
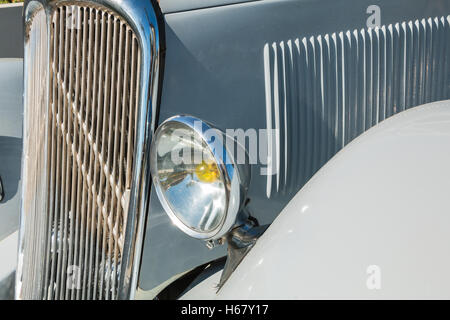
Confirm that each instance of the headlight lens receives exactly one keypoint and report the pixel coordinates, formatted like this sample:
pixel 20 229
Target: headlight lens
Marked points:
pixel 188 177
pixel 198 182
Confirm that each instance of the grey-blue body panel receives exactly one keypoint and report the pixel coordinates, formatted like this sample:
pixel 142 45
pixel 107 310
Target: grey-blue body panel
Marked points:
pixel 11 89
pixel 215 70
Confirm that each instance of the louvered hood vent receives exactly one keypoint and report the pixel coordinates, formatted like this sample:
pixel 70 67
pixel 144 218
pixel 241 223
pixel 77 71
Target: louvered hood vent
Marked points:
pixel 324 91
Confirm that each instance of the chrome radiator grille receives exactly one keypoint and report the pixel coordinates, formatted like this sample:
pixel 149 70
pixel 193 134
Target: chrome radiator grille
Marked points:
pixel 79 151
pixel 324 91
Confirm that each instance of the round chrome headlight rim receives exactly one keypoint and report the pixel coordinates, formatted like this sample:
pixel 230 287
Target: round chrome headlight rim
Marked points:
pixel 228 171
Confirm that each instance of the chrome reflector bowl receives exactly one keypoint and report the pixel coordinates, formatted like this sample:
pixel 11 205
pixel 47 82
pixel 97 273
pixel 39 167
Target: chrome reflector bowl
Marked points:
pixel 91 74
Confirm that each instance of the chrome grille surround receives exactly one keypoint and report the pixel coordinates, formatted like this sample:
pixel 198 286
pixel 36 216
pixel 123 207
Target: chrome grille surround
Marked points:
pixel 91 73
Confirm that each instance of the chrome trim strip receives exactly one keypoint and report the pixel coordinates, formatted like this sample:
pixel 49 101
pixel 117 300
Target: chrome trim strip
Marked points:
pixel 31 11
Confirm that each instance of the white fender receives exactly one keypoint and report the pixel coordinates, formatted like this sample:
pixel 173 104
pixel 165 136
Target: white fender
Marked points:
pixel 373 223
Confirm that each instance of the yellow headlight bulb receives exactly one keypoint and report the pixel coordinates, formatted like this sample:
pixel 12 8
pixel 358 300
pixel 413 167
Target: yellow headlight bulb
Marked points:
pixel 207 172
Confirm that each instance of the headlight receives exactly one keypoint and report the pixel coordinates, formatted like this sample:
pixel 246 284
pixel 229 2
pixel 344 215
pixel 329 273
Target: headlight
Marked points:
pixel 197 181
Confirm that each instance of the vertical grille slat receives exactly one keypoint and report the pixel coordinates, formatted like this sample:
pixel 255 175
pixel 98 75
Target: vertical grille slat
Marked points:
pixel 50 256
pixel 83 184
pixel 347 82
pixel 74 243
pixel 97 186
pixel 60 163
pixel 65 128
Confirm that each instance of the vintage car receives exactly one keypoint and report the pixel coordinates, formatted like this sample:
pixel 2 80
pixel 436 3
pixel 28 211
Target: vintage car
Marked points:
pixel 230 149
